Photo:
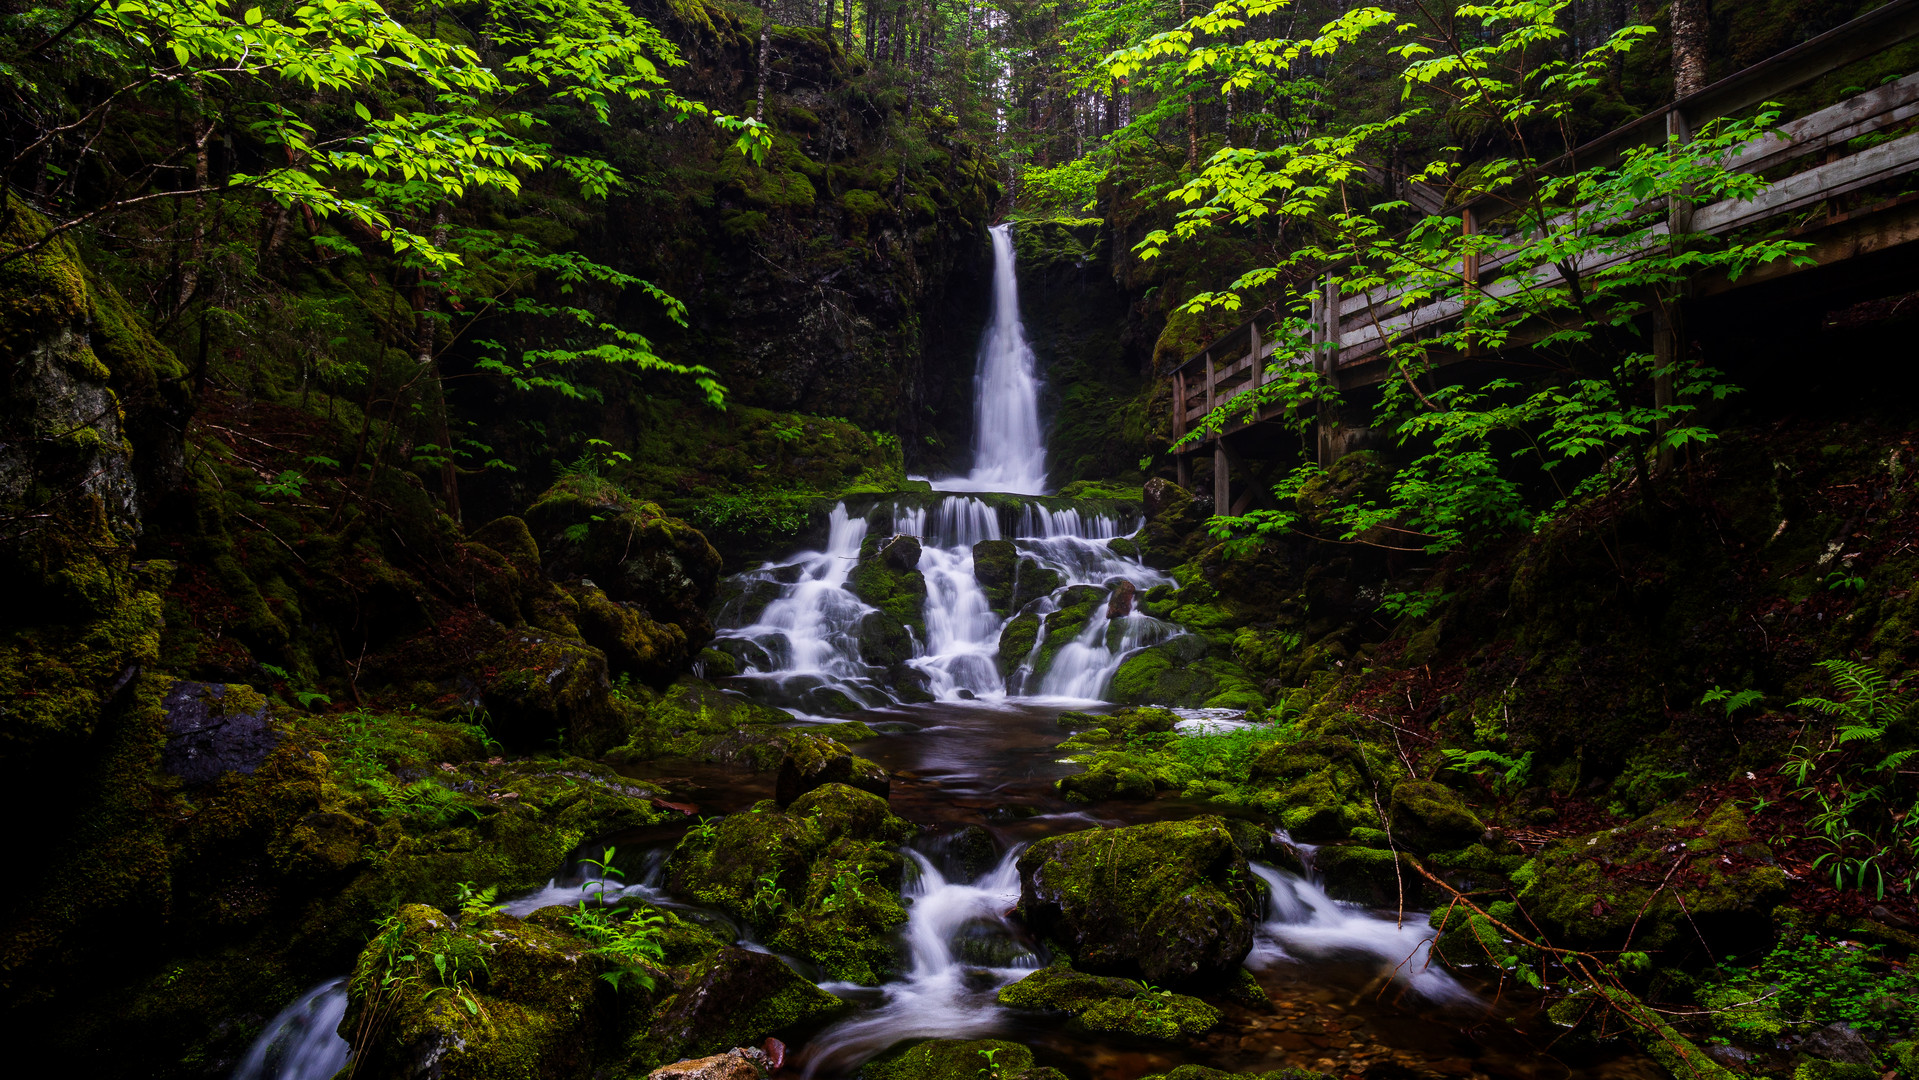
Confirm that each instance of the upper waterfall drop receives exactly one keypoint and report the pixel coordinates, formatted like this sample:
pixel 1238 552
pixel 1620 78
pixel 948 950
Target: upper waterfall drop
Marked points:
pixel 1009 449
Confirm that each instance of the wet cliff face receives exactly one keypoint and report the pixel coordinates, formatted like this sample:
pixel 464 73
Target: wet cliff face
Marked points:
pixel 848 277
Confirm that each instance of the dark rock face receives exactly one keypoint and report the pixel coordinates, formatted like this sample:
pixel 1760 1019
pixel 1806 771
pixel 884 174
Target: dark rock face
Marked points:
pixel 213 728
pixel 739 997
pixel 1838 1042
pixel 884 641
pixel 1120 603
pixel 1168 902
pixel 1431 817
pixel 995 566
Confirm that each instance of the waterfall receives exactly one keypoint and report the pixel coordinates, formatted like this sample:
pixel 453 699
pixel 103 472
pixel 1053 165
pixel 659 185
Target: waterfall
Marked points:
pixel 942 995
pixel 807 638
pixel 303 1042
pixel 1303 923
pixel 1009 451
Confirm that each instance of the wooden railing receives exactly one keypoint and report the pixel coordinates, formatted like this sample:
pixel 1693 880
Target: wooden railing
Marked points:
pixel 1362 324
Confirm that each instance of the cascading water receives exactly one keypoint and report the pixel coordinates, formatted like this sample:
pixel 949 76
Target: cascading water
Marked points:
pixel 1009 450
pixel 808 636
pixel 303 1042
pixel 942 994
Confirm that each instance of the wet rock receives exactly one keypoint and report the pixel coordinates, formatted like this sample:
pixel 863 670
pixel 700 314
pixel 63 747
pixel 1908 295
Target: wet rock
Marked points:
pixel 1033 581
pixel 842 812
pixel 995 567
pixel 541 685
pixel 1178 673
pixel 1368 875
pixel 910 684
pixel 1123 546
pixel 888 580
pixel 1016 640
pixel 1170 902
pixel 950 1059
pixel 884 641
pixel 732 1065
pixel 749 655
pixel 630 549
pixel 738 997
pixel 1838 1042
pixel 694 718
pixel 1107 1004
pixel 1431 817
pixel 213 728
pixel 815 762
pixel 1723 885
pixel 1119 603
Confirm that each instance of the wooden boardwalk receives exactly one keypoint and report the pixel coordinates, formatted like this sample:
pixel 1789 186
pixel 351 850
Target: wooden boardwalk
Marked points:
pixel 1815 145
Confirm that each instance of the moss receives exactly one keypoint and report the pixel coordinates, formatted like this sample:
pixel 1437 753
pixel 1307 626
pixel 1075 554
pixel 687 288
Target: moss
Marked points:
pixel 887 578
pixel 817 880
pixel 1694 879
pixel 949 1059
pixel 1170 902
pixel 996 566
pixel 1107 1004
pixel 1016 640
pixel 1429 817
pixel 690 717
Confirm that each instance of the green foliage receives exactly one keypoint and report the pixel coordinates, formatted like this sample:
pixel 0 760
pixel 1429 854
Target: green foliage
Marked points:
pixel 1581 259
pixel 1809 980
pixel 1508 773
pixel 1858 781
pixel 476 903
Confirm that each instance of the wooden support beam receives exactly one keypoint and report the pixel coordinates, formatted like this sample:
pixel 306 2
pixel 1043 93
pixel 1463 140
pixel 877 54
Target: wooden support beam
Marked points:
pixel 1222 478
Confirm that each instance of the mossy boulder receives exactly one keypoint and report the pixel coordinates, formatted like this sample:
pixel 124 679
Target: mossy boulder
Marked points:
pixel 1107 1004
pixel 1321 788
pixel 888 578
pixel 588 528
pixel 1032 581
pixel 1016 640
pixel 737 998
pixel 818 879
pixel 634 642
pixel 813 760
pixel 995 567
pixel 950 1059
pixel 1170 902
pixel 494 998
pixel 1675 882
pixel 541 686
pixel 1178 674
pixel 1064 624
pixel 884 640
pixel 1172 533
pixel 1369 875
pixel 1429 816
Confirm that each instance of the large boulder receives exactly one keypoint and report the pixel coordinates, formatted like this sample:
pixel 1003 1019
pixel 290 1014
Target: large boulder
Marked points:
pixel 1108 1004
pixel 634 641
pixel 995 566
pixel 737 998
pixel 1685 885
pixel 818 880
pixel 884 640
pixel 589 529
pixel 1428 816
pixel 887 578
pixel 812 762
pixel 955 1059
pixel 1170 902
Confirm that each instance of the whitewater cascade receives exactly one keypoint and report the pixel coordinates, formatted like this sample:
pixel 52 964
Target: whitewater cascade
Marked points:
pixel 806 639
pixel 1009 449
pixel 303 1042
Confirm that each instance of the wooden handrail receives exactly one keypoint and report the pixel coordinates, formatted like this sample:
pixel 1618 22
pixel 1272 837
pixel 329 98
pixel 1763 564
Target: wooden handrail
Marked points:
pixel 1873 32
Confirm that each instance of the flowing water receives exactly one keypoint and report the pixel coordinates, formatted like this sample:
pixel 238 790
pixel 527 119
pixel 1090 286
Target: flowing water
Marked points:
pixel 1352 990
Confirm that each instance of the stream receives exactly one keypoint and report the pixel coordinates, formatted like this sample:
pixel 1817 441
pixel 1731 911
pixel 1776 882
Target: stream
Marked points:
pixel 1352 991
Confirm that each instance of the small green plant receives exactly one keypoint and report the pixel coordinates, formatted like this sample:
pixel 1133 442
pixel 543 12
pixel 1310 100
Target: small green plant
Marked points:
pixel 603 864
pixel 1730 701
pixel 290 484
pixel 770 897
pixel 476 903
pixel 1845 580
pixel 1507 773
pixel 1859 778
pixel 990 1070
pixel 629 937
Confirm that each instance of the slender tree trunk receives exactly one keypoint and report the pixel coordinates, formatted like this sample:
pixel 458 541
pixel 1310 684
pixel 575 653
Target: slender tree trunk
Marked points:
pixel 1689 28
pixel 426 304
pixel 846 28
pixel 759 106
pixel 196 249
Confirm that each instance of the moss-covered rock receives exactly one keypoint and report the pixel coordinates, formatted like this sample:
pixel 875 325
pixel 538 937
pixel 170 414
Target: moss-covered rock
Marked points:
pixel 633 641
pixel 1428 816
pixel 1673 882
pixel 1016 640
pixel 813 760
pixel 1369 875
pixel 996 566
pixel 949 1059
pixel 1170 902
pixel 888 578
pixel 737 998
pixel 884 640
pixel 818 879
pixel 1108 1004
pixel 692 717
pixel 1179 674
pixel 544 687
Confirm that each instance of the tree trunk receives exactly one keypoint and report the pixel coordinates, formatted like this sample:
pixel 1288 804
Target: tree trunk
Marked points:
pixel 426 302
pixel 759 105
pixel 1192 117
pixel 1688 47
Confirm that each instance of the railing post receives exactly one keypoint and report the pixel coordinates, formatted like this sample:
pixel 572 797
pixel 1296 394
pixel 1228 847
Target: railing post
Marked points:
pixel 1326 363
pixel 1469 265
pixel 1179 424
